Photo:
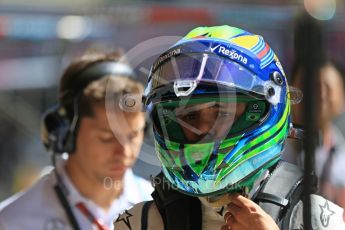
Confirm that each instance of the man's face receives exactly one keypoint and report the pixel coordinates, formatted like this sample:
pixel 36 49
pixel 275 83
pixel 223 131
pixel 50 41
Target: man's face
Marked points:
pixel 208 119
pixel 330 98
pixel 100 153
pixel 332 89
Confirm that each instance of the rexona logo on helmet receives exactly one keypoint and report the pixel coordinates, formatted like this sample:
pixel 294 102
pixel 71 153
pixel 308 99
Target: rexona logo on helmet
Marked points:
pixel 220 110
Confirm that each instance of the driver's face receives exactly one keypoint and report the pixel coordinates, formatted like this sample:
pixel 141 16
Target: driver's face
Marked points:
pixel 208 120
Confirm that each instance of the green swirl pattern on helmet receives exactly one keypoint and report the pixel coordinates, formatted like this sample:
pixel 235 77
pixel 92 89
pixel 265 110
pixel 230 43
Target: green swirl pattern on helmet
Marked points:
pixel 271 135
pixel 282 127
pixel 172 157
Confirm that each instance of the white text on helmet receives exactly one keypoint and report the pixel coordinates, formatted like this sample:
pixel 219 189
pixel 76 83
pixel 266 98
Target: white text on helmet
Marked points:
pixel 232 54
pixel 166 56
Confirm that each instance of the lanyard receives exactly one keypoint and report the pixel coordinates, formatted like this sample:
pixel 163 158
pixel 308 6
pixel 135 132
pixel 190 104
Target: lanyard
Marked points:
pixel 81 206
pixel 60 194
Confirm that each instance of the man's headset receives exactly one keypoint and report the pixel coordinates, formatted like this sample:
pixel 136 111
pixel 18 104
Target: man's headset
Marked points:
pixel 59 124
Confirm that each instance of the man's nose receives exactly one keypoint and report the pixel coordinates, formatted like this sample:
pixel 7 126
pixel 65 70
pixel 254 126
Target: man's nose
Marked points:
pixel 121 147
pixel 204 126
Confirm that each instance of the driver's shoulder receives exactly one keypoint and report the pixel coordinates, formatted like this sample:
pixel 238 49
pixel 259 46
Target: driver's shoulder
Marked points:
pixel 325 214
pixel 140 215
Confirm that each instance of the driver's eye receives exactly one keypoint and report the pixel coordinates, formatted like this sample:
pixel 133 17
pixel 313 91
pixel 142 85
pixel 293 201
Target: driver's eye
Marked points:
pixel 189 117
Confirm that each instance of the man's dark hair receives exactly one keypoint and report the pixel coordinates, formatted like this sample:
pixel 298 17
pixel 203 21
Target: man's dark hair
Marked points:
pixel 94 92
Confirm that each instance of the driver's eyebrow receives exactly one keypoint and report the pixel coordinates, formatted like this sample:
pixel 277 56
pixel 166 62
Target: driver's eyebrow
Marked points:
pixel 222 106
pixel 184 110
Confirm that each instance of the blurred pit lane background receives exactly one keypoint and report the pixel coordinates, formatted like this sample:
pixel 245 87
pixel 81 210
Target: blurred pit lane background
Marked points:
pixel 39 38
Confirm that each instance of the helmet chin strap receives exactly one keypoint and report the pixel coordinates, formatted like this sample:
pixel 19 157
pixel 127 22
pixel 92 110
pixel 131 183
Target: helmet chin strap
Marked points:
pixel 224 199
pixel 248 190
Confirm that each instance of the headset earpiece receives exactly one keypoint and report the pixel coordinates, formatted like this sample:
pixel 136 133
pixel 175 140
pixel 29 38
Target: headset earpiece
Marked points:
pixel 56 134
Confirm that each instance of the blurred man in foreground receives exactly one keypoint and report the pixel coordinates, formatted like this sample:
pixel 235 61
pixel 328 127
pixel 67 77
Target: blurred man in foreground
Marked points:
pixel 95 183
